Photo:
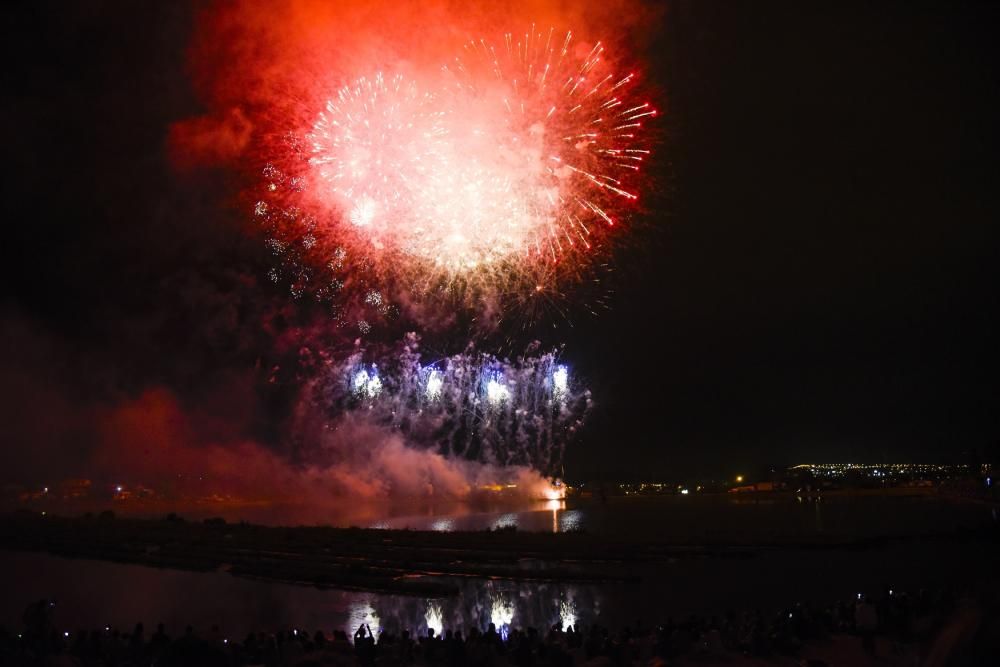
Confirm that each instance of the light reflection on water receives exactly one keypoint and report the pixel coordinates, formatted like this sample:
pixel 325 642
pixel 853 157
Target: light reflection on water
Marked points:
pixel 710 517
pixel 567 613
pixel 433 618
pixel 504 604
pixel 545 516
pixel 693 517
pixel 362 614
pixel 122 594
pixel 571 520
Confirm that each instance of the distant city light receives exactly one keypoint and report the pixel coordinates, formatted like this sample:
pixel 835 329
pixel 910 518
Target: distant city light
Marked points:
pixel 739 478
pixel 879 470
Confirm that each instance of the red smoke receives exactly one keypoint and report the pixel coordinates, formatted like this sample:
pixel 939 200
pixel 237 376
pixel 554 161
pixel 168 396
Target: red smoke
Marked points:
pixel 173 424
pixel 209 140
pixel 261 69
pixel 255 65
pixel 151 441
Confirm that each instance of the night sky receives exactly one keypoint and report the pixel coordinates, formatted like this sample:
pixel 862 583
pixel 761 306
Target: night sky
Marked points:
pixel 816 278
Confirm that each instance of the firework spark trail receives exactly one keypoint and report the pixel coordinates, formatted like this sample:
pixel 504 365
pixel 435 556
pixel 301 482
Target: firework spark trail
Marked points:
pixel 372 146
pixel 569 146
pixel 483 186
pixel 502 174
pixel 471 405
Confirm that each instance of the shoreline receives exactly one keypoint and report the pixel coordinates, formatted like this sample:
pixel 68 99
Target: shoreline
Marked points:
pixel 404 562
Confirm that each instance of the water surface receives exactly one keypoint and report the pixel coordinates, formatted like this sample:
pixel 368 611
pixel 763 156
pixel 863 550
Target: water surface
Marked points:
pixel 94 593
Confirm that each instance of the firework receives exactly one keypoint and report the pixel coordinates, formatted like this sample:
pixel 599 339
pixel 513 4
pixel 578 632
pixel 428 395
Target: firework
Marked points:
pixel 498 177
pixel 471 405
pixel 434 384
pixel 365 384
pixel 448 199
pixel 555 126
pixel 372 149
pixel 312 262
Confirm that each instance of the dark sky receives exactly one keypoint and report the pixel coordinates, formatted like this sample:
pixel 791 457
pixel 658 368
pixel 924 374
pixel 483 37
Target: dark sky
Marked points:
pixel 817 278
pixel 825 284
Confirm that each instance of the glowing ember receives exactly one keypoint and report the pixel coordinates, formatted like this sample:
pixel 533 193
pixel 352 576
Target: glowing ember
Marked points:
pixel 434 383
pixel 552 134
pixel 363 212
pixel 372 148
pixel 560 379
pixel 496 391
pixel 367 385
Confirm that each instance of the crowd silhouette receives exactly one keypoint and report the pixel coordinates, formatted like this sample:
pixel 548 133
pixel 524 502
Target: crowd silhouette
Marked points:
pixel 891 623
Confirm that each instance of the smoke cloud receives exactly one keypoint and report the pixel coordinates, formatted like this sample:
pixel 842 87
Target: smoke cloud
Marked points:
pixel 190 378
pixel 254 62
pixel 151 438
pixel 208 453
